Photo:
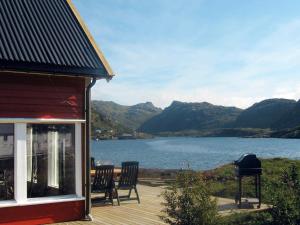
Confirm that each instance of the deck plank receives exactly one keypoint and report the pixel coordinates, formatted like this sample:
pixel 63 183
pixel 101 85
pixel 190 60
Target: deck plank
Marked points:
pixel 146 213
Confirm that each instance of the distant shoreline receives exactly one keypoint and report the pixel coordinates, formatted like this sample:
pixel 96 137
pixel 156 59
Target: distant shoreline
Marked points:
pixel 191 136
pixel 293 133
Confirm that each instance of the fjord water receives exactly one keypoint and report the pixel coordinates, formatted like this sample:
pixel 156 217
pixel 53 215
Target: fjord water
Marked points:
pixel 197 153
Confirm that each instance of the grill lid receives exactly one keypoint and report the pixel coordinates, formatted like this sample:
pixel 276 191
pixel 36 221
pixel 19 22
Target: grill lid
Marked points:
pixel 248 164
pixel 248 161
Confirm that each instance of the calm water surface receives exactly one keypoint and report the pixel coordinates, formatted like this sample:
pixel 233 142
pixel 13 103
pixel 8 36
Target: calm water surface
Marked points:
pixel 198 153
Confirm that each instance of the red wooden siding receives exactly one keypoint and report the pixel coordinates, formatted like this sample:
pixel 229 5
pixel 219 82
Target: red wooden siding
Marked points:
pixel 42 214
pixel 28 96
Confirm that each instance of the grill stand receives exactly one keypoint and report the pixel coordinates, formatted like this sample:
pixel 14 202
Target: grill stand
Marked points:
pixel 238 199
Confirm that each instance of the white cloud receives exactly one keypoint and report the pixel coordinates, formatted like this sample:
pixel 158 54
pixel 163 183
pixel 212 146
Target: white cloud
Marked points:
pixel 163 72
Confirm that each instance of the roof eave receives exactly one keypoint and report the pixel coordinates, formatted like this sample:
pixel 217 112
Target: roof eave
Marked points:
pixel 95 74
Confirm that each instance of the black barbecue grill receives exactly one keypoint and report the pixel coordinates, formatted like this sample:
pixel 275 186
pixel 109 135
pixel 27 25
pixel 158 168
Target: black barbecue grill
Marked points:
pixel 248 165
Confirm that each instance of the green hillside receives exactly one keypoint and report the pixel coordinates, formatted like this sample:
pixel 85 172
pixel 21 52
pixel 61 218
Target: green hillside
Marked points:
pixel 120 118
pixel 265 114
pixel 289 120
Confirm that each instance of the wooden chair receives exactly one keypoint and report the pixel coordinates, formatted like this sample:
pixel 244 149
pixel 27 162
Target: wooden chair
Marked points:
pixel 3 185
pixel 93 164
pixel 103 182
pixel 6 178
pixel 128 180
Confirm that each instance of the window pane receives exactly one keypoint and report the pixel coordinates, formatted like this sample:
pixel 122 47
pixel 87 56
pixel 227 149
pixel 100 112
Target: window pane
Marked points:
pixel 6 161
pixel 50 160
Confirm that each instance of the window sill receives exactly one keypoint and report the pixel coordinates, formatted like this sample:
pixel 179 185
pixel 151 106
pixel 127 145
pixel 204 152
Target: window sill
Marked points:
pixel 42 200
pixel 8 203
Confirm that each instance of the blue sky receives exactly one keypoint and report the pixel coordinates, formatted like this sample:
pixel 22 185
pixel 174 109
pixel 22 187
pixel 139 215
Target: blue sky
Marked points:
pixel 227 52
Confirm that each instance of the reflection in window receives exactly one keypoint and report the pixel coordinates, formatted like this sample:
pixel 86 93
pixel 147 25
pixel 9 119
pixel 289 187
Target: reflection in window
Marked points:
pixel 6 161
pixel 50 160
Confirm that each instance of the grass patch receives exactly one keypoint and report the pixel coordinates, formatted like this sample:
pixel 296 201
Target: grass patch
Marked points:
pixel 224 184
pixel 254 218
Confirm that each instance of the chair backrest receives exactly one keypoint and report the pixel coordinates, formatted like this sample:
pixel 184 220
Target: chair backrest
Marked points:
pixel 103 179
pixel 129 174
pixel 93 165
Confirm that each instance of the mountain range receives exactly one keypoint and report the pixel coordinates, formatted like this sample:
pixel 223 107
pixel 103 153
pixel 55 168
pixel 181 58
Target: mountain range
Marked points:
pixel 180 116
pixel 267 116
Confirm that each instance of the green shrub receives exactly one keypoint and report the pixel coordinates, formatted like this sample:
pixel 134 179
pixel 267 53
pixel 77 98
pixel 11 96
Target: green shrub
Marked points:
pixel 188 202
pixel 285 198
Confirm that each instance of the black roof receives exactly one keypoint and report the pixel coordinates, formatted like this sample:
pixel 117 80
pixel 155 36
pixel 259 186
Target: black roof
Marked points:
pixel 46 36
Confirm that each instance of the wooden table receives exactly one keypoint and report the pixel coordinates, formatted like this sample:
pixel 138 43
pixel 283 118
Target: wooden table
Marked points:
pixel 117 172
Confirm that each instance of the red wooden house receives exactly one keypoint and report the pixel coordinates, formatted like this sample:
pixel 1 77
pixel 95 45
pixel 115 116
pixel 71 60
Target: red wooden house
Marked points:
pixel 48 64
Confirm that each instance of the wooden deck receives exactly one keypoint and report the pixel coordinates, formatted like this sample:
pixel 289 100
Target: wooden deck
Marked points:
pixel 146 213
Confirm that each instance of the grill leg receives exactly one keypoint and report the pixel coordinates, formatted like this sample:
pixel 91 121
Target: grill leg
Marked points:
pixel 240 192
pixel 256 186
pixel 259 192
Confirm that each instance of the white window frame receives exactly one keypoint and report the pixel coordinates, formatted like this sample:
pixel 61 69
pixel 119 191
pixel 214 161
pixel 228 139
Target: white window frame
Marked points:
pixel 20 162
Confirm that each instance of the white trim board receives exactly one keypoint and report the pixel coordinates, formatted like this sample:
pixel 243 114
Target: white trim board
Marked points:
pixel 20 163
pixel 78 160
pixel 40 120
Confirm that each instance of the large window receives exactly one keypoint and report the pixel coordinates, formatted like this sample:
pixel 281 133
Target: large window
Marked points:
pixel 6 161
pixel 50 160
